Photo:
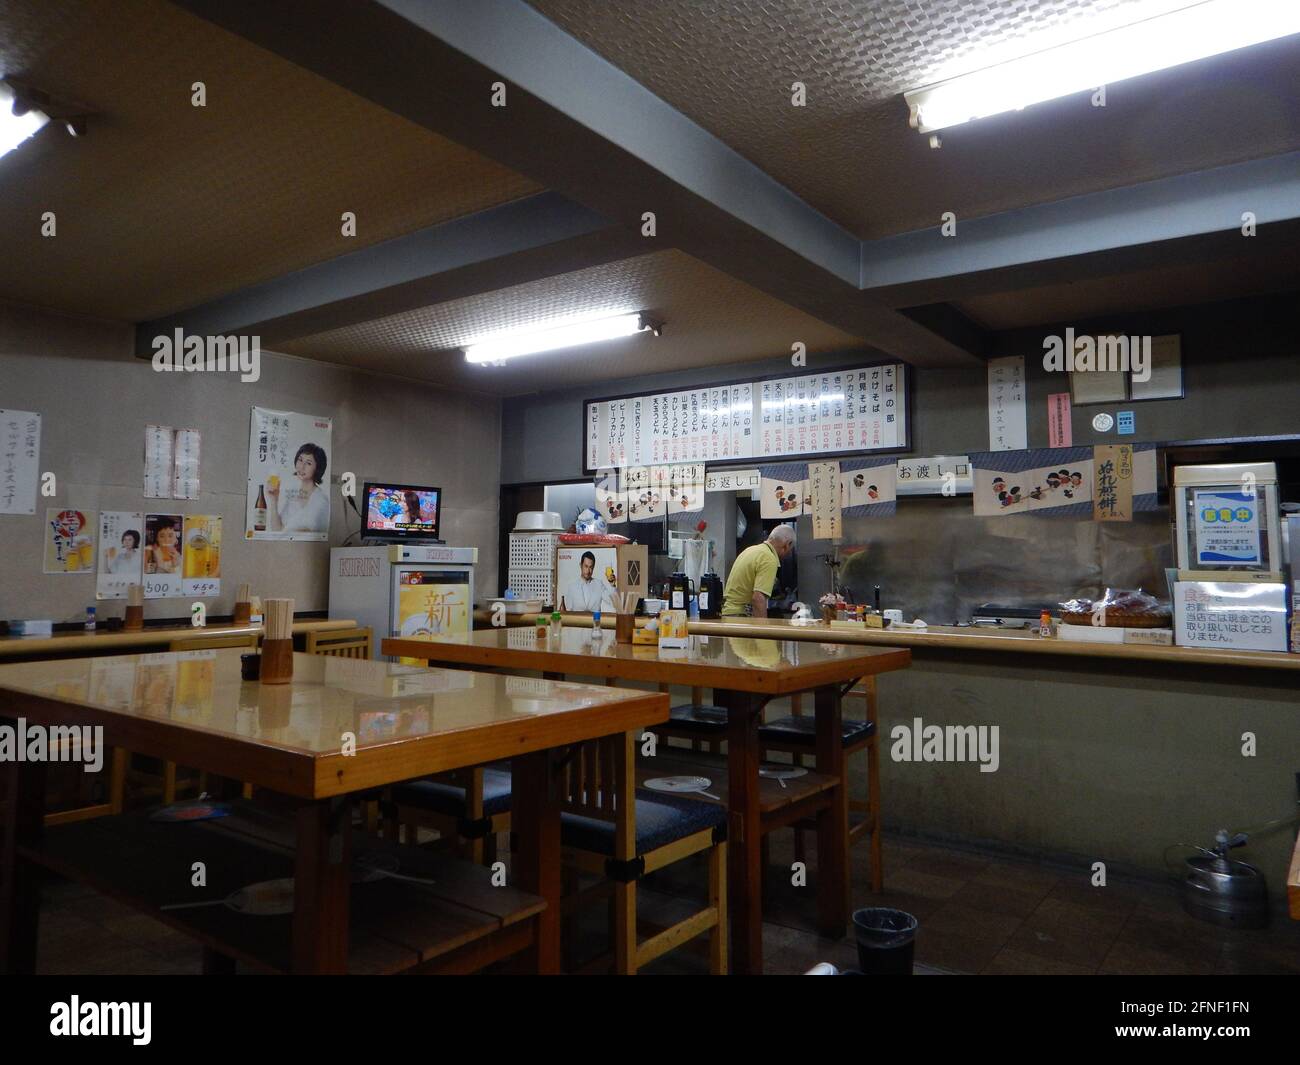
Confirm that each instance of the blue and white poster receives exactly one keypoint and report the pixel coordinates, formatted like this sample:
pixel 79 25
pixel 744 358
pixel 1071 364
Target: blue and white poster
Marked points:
pixel 1227 528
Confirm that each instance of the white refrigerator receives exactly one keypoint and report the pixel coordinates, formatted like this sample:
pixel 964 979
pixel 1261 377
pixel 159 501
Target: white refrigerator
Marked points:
pixel 404 589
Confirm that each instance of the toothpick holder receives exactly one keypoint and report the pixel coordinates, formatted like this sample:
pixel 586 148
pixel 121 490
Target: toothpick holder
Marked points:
pixel 134 620
pixel 243 606
pixel 277 661
pixel 624 627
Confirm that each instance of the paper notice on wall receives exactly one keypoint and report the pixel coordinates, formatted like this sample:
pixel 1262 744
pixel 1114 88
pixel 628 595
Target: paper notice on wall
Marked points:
pixel 824 492
pixel 1239 614
pixel 1060 432
pixel 645 493
pixel 201 566
pixel 159 461
pixel 685 490
pixel 69 541
pixel 185 473
pixel 162 555
pixel 20 457
pixel 1008 429
pixel 121 553
pixel 1112 466
pixel 1227 528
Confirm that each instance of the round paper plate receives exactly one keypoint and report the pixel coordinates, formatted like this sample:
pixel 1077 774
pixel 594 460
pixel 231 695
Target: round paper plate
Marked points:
pixel 678 783
pixel 782 772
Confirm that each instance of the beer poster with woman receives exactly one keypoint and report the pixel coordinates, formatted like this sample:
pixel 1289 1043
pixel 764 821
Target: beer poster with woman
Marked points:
pixel 288 476
pixel 162 555
pixel 121 553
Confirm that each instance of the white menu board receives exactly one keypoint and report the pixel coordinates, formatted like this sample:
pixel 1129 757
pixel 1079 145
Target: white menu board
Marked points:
pixel 838 411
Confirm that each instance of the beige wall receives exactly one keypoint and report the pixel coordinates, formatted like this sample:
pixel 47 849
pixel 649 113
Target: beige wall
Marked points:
pixel 96 399
pixel 1102 760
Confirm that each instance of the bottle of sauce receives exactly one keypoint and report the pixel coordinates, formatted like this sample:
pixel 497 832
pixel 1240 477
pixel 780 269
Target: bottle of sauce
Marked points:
pixel 259 511
pixel 1045 624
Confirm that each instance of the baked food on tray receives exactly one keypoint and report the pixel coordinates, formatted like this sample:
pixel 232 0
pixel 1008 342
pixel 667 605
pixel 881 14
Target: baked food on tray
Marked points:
pixel 1127 608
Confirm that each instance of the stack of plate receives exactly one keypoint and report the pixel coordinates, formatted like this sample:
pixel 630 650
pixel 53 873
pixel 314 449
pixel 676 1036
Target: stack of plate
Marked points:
pixel 538 521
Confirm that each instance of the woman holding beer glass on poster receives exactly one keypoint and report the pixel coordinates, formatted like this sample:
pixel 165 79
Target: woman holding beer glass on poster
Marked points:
pixel 305 508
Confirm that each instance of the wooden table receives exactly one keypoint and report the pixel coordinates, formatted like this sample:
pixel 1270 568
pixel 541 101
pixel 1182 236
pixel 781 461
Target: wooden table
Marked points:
pixel 744 674
pixel 406 722
pixel 104 641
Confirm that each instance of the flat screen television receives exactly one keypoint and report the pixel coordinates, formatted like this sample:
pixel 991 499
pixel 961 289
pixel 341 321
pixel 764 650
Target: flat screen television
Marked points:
pixel 400 511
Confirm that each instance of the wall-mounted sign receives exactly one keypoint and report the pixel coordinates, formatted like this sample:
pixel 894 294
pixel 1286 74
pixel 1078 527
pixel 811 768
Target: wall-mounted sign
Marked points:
pixel 930 476
pixel 1112 466
pixel 822 414
pixel 1227 528
pixel 731 480
pixel 1008 429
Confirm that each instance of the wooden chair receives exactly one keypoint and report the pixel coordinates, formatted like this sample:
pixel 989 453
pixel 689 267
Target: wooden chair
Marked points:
pixel 610 827
pixel 114 799
pixel 341 643
pixel 198 784
pixel 704 725
pixel 797 735
pixel 468 806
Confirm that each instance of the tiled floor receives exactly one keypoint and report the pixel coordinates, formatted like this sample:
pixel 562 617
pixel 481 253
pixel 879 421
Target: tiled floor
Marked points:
pixel 977 914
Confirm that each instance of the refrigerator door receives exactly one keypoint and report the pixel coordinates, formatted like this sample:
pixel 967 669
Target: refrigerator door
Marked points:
pixel 431 600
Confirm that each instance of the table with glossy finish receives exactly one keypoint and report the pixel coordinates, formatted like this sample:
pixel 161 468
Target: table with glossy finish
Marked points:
pixel 340 727
pixel 744 674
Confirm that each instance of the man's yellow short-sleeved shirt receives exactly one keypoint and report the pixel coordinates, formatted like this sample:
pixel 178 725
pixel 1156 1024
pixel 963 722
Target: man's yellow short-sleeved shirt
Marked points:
pixel 753 571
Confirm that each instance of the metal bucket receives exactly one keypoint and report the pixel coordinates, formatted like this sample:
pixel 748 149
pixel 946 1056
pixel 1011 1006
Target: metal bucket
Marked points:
pixel 1227 893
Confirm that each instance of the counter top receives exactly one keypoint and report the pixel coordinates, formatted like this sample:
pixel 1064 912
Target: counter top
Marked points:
pixel 1012 641
pixel 106 642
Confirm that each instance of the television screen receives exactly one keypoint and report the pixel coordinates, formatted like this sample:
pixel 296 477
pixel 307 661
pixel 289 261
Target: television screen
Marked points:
pixel 401 510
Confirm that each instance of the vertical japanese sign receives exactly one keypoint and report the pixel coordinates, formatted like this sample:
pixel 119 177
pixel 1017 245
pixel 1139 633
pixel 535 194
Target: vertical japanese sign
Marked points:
pixel 20 454
pixel 1112 466
pixel 1007 424
pixel 121 553
pixel 824 482
pixel 1060 432
pixel 288 479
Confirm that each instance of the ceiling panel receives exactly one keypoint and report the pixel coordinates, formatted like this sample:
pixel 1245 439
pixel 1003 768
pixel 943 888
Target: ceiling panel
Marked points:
pixel 710 319
pixel 729 65
pixel 165 205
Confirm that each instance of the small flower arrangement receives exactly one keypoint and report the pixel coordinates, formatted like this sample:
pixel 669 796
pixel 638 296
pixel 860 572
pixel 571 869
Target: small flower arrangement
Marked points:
pixel 831 604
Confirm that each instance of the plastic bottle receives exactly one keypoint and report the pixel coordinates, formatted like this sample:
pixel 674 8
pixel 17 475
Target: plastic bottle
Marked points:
pixel 557 624
pixel 595 624
pixel 90 619
pixel 1045 624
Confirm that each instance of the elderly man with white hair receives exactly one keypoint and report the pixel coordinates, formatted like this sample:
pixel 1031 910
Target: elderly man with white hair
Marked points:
pixel 753 575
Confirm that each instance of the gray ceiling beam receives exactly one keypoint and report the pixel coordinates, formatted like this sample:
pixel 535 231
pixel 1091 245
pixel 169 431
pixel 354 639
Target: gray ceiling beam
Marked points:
pixel 580 126
pixel 1139 226
pixel 534 237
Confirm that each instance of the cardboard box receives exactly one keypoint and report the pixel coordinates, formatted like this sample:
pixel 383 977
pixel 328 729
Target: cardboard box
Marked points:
pixel 614 569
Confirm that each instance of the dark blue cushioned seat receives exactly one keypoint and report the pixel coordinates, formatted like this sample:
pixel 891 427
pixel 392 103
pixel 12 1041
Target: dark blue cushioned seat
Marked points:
pixel 692 717
pixel 803 730
pixel 444 798
pixel 660 819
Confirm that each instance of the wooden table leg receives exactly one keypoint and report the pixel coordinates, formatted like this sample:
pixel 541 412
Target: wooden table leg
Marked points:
pixel 20 886
pixel 832 823
pixel 322 879
pixel 535 818
pixel 744 832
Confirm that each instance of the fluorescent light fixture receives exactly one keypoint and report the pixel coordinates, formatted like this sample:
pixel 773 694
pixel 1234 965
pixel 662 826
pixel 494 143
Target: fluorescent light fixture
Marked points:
pixel 1198 31
pixel 14 129
pixel 567 335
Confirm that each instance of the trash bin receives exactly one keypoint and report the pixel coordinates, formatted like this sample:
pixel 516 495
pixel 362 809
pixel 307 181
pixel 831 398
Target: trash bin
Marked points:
pixel 886 939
